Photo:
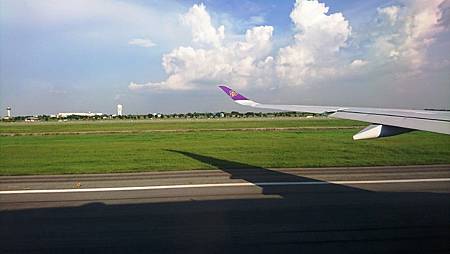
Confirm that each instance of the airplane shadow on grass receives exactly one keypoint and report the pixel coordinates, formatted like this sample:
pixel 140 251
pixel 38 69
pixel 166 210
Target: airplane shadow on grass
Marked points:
pixel 257 175
pixel 327 218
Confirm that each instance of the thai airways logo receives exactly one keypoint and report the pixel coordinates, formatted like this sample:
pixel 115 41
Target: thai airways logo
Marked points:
pixel 233 94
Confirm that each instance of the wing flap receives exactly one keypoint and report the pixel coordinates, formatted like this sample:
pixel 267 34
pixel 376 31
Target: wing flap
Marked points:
pixel 425 124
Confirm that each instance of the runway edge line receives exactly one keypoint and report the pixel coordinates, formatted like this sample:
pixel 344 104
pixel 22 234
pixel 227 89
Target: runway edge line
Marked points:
pixel 162 187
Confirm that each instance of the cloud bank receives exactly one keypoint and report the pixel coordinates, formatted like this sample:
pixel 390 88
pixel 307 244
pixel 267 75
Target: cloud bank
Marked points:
pixel 398 37
pixel 405 33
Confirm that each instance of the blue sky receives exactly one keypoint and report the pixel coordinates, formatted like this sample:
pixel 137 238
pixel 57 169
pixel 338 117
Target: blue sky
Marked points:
pixel 169 56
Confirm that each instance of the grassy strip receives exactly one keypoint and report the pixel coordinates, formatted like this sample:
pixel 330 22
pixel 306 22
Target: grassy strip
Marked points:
pixel 173 130
pixel 63 154
pixel 142 125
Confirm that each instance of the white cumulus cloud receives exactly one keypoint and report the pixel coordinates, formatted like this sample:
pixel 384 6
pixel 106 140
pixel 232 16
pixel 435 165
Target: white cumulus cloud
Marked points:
pixel 316 52
pixel 214 61
pixel 390 13
pixel 408 32
pixel 249 62
pixel 202 29
pixel 357 63
pixel 318 38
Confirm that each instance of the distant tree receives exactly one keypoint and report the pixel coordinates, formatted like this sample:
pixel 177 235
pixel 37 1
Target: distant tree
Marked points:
pixel 249 114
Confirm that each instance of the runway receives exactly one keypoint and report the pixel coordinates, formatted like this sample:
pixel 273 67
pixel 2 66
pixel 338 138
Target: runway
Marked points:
pixel 238 209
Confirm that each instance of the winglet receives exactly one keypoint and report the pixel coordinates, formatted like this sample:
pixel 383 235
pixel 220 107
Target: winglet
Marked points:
pixel 233 94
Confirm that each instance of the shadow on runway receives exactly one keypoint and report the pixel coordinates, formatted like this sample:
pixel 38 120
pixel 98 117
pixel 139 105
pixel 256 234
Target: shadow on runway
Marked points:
pixel 254 174
pixel 308 219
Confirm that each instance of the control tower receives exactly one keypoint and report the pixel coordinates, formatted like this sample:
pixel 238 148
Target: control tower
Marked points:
pixel 8 112
pixel 119 109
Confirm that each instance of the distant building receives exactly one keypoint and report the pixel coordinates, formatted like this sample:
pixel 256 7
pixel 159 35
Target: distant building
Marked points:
pixel 32 119
pixel 89 114
pixel 119 109
pixel 8 112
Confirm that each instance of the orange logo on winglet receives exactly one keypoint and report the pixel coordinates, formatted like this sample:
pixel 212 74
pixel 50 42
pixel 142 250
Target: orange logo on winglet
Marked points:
pixel 233 93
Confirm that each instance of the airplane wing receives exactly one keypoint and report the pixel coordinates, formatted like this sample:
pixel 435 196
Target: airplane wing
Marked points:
pixel 385 122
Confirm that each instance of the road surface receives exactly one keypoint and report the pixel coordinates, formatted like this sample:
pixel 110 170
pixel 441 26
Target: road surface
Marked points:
pixel 244 209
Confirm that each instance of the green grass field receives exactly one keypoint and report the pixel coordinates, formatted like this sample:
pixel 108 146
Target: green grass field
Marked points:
pixel 152 151
pixel 192 124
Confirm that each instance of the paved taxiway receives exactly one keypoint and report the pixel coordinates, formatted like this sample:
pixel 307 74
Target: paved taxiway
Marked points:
pixel 247 209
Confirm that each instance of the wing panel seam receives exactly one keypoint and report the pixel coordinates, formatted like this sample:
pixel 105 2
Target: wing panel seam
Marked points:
pixel 378 114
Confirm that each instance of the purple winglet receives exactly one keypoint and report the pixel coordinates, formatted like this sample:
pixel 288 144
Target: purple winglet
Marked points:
pixel 233 94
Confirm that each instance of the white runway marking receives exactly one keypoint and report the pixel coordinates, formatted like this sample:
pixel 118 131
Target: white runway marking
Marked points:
pixel 213 185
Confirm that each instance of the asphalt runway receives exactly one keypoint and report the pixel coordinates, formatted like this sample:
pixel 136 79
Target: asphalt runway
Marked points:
pixel 238 209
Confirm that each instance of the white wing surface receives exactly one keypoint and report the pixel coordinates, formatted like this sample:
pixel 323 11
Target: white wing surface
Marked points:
pixel 385 122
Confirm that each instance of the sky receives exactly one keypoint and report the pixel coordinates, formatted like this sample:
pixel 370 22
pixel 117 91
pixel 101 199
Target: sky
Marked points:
pixel 170 56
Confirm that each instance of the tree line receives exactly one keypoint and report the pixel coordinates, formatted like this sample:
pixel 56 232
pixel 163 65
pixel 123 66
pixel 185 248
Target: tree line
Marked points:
pixel 194 115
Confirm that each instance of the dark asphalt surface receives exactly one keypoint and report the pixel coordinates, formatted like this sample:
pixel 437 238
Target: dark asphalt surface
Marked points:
pixel 332 218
